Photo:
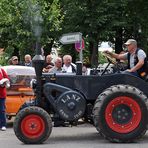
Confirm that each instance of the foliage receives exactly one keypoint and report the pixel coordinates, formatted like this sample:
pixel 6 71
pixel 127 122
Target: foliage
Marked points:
pixel 4 59
pixel 102 59
pixel 92 19
pixel 23 23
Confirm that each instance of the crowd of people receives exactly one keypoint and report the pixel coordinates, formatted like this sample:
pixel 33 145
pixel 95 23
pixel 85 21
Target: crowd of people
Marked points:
pixel 135 57
pixel 56 65
pixel 14 60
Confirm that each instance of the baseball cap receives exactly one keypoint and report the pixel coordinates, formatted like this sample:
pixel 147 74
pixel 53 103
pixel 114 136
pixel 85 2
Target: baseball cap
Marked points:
pixel 130 41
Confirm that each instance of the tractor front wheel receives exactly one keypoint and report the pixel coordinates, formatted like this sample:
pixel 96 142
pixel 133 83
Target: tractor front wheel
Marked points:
pixel 32 125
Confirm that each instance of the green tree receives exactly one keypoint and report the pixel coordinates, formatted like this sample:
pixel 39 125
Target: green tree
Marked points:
pixel 95 19
pixel 106 20
pixel 25 22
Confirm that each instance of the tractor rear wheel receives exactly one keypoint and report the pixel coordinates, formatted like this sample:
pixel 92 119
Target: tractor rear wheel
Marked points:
pixel 32 125
pixel 120 113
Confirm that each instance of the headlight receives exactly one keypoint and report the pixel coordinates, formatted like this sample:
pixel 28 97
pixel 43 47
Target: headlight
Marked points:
pixel 33 83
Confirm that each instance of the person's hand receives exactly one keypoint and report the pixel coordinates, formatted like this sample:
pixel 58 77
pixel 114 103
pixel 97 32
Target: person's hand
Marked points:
pixel 45 70
pixel 129 70
pixel 5 82
pixel 49 66
pixel 1 82
pixel 108 53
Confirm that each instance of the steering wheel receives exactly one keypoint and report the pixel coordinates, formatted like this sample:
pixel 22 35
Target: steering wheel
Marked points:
pixel 109 58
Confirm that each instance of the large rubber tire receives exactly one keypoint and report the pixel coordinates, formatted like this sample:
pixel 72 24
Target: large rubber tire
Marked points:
pixel 32 125
pixel 120 113
pixel 27 104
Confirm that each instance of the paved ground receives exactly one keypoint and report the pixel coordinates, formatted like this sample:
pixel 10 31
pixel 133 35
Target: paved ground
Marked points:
pixel 83 136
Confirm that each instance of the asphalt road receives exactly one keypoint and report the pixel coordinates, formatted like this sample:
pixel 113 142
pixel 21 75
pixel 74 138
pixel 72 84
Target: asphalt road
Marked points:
pixel 82 136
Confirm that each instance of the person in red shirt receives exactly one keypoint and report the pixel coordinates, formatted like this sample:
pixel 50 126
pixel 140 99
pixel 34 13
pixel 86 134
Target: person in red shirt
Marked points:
pixel 4 83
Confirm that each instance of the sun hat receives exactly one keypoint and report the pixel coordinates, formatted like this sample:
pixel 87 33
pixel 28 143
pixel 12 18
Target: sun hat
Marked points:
pixel 130 41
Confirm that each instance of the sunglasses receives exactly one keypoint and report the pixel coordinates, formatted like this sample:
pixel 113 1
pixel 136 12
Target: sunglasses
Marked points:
pixel 15 59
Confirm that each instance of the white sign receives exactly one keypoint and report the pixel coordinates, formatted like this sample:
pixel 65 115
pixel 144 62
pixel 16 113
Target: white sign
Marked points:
pixel 70 38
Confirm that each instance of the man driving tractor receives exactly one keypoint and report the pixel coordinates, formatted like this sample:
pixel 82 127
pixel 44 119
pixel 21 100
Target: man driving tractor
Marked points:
pixel 136 57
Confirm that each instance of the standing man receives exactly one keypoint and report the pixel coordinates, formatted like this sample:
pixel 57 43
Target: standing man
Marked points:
pixel 4 82
pixel 136 57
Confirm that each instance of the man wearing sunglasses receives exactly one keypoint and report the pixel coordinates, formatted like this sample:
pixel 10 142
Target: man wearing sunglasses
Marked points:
pixel 14 61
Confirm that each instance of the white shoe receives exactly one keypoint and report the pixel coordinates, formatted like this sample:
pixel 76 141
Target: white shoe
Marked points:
pixel 3 128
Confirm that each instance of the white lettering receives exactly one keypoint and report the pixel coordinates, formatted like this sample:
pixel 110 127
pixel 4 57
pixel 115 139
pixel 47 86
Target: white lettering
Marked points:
pixel 78 114
pixel 68 97
pixel 71 38
pixel 64 114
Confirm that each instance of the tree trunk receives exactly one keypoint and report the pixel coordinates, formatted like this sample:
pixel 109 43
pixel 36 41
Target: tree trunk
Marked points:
pixel 48 47
pixel 118 41
pixel 16 52
pixel 93 48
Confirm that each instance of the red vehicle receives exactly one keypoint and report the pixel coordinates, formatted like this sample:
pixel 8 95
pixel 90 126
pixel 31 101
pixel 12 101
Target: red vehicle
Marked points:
pixel 19 91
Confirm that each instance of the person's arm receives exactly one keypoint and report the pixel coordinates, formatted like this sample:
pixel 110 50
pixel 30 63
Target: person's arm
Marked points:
pixel 116 56
pixel 5 75
pixel 5 81
pixel 137 66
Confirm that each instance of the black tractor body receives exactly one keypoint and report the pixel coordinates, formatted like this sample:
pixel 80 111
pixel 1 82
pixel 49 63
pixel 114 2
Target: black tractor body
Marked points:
pixel 116 104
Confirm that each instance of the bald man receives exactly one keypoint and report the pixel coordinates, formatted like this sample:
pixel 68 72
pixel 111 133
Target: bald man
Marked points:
pixel 28 60
pixel 57 66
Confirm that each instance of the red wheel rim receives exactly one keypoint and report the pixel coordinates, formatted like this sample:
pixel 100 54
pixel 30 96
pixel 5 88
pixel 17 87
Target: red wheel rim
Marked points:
pixel 132 123
pixel 32 126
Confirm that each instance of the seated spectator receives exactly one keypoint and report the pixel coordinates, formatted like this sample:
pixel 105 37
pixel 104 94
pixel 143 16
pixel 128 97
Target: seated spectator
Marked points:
pixel 68 66
pixel 28 61
pixel 57 66
pixel 14 61
pixel 48 63
pixel 84 70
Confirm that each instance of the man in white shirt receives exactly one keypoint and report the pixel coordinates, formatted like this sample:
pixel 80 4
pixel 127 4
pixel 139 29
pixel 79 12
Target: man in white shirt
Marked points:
pixel 68 66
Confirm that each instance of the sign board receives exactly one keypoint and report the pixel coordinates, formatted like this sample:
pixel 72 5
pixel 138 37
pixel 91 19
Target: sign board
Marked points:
pixel 70 38
pixel 79 45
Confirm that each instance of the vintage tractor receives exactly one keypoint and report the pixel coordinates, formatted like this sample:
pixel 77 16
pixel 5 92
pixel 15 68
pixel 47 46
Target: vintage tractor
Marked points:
pixel 116 104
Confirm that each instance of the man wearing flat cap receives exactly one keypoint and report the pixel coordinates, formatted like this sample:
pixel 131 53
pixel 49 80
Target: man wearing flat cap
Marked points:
pixel 136 57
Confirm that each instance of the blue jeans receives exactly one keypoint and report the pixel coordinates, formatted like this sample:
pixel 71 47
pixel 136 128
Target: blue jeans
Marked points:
pixel 2 112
